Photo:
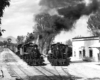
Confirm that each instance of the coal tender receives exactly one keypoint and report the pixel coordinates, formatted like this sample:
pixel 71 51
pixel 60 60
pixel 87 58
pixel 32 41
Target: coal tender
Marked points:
pixel 58 55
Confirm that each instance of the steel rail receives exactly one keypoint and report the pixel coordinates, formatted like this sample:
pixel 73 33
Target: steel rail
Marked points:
pixel 49 71
pixel 42 73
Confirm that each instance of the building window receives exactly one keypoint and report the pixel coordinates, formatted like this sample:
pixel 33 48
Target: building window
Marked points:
pixel 74 53
pixel 80 52
pixel 91 52
pixel 83 52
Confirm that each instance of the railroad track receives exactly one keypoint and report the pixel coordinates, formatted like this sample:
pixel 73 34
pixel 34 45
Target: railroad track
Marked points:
pixel 44 73
pixel 76 71
pixel 49 71
pixel 13 73
pixel 68 74
pixel 25 72
pixel 42 70
pixel 59 76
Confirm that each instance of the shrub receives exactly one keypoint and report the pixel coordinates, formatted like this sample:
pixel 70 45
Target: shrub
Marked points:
pixel 88 59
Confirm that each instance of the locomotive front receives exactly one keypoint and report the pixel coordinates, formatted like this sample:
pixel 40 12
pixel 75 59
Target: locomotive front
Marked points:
pixel 32 55
pixel 58 55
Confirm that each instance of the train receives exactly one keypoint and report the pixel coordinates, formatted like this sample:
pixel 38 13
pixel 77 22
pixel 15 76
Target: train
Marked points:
pixel 32 55
pixel 59 54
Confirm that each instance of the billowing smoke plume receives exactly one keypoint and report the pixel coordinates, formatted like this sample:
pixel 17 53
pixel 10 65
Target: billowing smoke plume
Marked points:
pixel 68 12
pixel 78 10
pixel 58 3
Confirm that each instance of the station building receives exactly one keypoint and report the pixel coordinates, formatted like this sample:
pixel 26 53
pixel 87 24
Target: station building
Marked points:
pixel 86 47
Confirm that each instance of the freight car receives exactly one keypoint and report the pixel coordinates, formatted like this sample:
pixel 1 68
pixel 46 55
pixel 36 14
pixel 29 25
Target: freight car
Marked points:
pixel 32 55
pixel 58 55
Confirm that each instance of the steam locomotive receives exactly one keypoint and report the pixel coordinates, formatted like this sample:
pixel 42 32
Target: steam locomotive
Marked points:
pixel 31 54
pixel 59 55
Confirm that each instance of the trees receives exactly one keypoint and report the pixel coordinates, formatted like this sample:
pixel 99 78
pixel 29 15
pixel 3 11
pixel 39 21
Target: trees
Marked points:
pixel 45 31
pixel 9 40
pixel 5 43
pixel 20 39
pixel 30 37
pixel 94 24
pixel 1 30
pixel 3 4
pixel 69 43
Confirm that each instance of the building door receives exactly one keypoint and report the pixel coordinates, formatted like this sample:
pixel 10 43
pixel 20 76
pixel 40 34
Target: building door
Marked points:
pixel 91 52
pixel 83 52
pixel 99 57
pixel 80 54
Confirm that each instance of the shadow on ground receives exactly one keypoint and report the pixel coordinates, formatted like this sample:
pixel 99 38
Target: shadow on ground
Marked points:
pixel 80 62
pixel 96 78
pixel 52 78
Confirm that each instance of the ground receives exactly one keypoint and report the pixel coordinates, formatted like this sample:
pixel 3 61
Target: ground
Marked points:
pixel 12 67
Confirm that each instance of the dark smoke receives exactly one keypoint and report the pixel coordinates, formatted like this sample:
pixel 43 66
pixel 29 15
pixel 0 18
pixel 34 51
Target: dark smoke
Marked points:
pixel 71 10
pixel 62 24
pixel 75 12
pixel 57 3
pixel 68 12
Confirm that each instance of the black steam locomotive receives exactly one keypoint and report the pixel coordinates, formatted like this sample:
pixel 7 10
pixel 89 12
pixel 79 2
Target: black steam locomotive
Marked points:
pixel 59 55
pixel 31 54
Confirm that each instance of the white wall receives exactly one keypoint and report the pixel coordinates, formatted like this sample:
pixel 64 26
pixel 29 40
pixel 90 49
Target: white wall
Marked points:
pixel 86 44
pixel 95 53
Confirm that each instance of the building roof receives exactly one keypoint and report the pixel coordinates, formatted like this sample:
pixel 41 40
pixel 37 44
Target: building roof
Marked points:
pixel 85 37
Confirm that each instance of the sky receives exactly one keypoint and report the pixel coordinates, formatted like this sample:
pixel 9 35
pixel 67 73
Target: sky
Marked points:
pixel 18 19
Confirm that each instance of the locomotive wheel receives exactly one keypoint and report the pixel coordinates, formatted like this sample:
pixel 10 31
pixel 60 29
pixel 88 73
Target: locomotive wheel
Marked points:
pixel 63 62
pixel 58 63
pixel 55 62
pixel 37 63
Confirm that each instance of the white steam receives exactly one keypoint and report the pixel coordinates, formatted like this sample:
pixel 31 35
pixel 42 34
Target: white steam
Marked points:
pixel 87 2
